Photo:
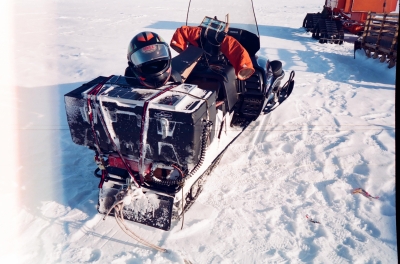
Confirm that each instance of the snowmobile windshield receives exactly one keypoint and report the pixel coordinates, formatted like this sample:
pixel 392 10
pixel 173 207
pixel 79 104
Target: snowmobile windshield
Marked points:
pixel 241 13
pixel 150 53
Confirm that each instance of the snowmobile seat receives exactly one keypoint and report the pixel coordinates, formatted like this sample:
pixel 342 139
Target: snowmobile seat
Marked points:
pixel 185 61
pixel 210 85
pixel 221 79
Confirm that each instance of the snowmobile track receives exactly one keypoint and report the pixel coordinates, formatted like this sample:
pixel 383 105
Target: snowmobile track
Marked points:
pixel 197 187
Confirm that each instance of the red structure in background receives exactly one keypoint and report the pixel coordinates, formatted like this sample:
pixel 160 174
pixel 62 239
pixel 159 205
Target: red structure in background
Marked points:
pixel 340 16
pixel 353 13
pixel 372 20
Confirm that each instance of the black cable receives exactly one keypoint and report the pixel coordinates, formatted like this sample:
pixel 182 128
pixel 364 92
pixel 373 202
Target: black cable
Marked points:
pixel 187 14
pixel 255 19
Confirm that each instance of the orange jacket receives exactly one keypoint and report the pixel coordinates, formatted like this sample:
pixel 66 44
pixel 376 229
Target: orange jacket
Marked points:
pixel 230 47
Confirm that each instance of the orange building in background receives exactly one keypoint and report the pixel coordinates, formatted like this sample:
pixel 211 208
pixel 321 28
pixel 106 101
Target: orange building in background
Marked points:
pixel 358 9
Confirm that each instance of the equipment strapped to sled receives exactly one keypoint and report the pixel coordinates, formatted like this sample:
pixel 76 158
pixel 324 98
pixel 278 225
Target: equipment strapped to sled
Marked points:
pixel 92 95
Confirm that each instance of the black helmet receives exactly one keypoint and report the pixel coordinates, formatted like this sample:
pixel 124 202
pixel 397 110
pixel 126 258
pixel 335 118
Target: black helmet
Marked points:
pixel 149 58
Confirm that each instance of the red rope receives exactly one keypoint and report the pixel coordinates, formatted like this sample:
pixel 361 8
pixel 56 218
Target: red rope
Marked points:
pixel 94 92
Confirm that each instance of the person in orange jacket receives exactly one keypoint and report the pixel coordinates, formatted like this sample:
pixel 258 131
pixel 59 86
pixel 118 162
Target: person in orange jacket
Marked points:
pixel 229 46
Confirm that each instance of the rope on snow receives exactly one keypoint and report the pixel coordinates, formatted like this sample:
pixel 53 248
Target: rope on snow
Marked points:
pixel 363 192
pixel 311 220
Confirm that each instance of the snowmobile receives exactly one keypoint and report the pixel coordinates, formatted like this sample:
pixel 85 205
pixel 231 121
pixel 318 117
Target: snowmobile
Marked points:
pixel 155 147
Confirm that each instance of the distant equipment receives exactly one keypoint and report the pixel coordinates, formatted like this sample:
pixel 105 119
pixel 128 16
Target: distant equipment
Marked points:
pixel 371 20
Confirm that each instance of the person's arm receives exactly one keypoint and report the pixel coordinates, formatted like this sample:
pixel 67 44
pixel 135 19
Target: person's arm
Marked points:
pixel 183 36
pixel 230 47
pixel 238 57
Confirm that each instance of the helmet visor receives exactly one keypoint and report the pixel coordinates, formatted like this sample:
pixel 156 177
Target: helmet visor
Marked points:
pixel 150 53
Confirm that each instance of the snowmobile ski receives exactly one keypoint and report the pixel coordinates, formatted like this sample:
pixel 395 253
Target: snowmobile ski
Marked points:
pixel 282 94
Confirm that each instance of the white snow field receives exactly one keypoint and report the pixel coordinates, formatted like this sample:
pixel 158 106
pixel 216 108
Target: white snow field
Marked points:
pixel 335 133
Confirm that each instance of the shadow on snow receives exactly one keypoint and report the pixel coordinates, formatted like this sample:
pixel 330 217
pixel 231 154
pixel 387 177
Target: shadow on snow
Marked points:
pixel 52 167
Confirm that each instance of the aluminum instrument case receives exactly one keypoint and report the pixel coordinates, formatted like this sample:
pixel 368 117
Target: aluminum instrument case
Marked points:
pixel 175 124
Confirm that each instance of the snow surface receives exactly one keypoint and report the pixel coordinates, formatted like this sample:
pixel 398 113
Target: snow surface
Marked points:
pixel 335 133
